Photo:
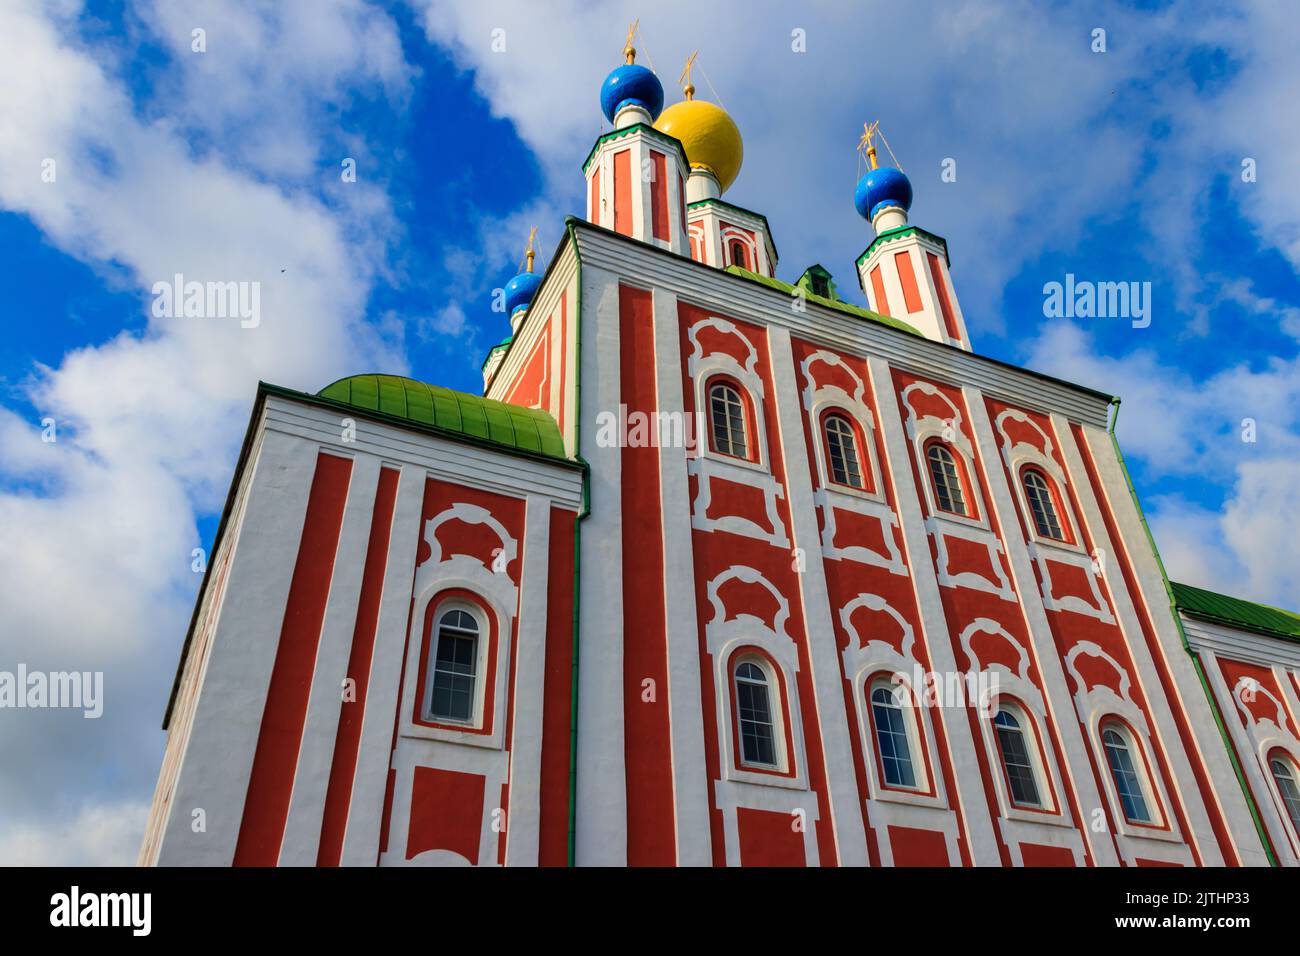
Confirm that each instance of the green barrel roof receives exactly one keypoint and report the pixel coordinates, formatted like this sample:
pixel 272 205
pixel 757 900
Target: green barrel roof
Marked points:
pixel 1234 612
pixel 482 419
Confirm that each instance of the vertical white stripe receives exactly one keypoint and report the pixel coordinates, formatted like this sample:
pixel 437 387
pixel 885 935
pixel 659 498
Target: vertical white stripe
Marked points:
pixel 823 652
pixel 232 694
pixel 970 796
pixel 361 838
pixel 602 776
pixel 525 743
pixel 690 778
pixel 316 753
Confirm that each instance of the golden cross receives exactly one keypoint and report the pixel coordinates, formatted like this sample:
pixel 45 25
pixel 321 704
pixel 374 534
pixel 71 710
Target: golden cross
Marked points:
pixel 688 89
pixel 867 141
pixel 629 50
pixel 528 251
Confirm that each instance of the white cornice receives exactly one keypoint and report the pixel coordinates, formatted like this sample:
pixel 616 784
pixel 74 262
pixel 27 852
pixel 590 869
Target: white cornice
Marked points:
pixel 732 295
pixel 1239 645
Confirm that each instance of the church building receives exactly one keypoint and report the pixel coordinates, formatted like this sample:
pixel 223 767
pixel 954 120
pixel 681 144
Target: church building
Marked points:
pixel 720 570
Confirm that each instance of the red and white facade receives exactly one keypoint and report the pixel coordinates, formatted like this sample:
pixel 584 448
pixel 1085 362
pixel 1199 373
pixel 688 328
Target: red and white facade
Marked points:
pixel 661 573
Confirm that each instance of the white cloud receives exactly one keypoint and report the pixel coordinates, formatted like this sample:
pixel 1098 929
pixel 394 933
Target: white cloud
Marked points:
pixel 149 424
pixel 97 835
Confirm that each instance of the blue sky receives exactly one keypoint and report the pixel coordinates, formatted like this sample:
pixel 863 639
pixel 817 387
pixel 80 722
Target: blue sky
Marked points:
pixel 1115 166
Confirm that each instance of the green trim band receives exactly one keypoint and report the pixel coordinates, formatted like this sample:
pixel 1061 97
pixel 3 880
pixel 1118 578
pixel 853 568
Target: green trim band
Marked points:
pixel 900 233
pixel 671 141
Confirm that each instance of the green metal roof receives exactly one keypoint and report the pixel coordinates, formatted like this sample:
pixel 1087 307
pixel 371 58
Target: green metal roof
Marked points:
pixel 835 304
pixel 1234 612
pixel 481 419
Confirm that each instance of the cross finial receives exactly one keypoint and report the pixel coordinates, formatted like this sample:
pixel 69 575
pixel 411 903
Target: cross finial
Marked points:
pixel 529 253
pixel 688 89
pixel 629 51
pixel 868 142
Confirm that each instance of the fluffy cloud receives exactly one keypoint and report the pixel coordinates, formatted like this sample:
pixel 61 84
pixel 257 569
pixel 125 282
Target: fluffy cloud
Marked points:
pixel 148 424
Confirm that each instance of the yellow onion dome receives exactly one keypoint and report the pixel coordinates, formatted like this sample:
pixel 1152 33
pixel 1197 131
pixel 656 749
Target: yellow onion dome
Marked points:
pixel 709 136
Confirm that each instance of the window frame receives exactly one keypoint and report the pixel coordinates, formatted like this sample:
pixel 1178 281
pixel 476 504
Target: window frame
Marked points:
pixel 961 467
pixel 1055 498
pixel 918 756
pixel 433 668
pixel 1142 772
pixel 481 720
pixel 749 420
pixel 1027 727
pixel 778 706
pixel 865 472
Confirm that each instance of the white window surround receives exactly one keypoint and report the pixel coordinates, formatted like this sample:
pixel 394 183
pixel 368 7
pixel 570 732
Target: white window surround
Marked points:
pixel 865 661
pixel 1099 705
pixel 723 638
pixel 1269 735
pixel 1018 456
pixel 921 429
pixel 939 523
pixel 818 401
pixel 731 234
pixel 499 596
pixel 1019 692
pixel 708 464
pixel 1289 761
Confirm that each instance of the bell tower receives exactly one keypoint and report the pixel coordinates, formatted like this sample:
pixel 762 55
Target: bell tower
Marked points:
pixel 904 272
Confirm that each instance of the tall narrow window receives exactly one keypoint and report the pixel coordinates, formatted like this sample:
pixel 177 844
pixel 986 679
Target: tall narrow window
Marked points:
pixel 451 685
pixel 891 737
pixel 946 478
pixel 738 257
pixel 1016 760
pixel 1125 774
pixel 754 715
pixel 842 452
pixel 1284 777
pixel 727 409
pixel 1039 496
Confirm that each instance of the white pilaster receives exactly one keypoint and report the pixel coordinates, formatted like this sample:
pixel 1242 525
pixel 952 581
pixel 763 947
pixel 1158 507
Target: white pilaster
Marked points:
pixel 962 753
pixel 823 651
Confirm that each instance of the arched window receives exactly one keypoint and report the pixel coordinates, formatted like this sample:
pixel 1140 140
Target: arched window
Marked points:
pixel 1124 771
pixel 891 736
pixel 754 715
pixel 1039 495
pixel 727 411
pixel 842 452
pixel 736 248
pixel 1285 778
pixel 452 674
pixel 1016 761
pixel 947 480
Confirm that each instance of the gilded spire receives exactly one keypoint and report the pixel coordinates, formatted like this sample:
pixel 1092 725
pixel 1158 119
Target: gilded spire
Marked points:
pixel 629 51
pixel 688 88
pixel 529 252
pixel 868 142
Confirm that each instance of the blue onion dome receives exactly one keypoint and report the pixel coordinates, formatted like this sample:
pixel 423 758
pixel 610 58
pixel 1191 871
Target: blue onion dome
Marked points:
pixel 631 83
pixel 520 291
pixel 884 186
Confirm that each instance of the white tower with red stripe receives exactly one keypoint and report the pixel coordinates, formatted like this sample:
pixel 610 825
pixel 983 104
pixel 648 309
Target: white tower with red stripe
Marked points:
pixel 904 272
